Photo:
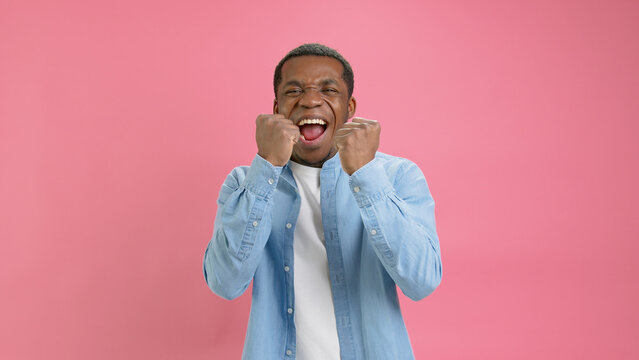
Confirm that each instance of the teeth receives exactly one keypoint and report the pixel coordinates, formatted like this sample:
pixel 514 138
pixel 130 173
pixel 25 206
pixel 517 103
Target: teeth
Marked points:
pixel 311 121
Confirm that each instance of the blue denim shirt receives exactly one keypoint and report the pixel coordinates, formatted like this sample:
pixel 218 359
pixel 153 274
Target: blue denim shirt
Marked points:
pixel 379 229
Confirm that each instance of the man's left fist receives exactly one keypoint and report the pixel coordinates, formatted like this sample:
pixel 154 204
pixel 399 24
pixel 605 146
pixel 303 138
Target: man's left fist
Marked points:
pixel 357 141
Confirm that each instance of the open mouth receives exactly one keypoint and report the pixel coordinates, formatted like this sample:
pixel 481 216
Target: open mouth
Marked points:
pixel 311 129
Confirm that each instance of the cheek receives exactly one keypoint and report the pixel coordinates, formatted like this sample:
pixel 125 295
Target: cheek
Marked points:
pixel 339 108
pixel 284 108
pixel 334 105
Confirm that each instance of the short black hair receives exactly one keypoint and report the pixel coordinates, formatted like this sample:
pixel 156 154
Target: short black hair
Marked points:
pixel 315 49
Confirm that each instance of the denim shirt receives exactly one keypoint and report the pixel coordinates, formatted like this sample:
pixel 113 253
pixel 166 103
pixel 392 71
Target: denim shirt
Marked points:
pixel 379 229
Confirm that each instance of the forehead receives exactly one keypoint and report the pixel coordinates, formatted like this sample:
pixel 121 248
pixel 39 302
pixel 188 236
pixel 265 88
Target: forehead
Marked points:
pixel 312 68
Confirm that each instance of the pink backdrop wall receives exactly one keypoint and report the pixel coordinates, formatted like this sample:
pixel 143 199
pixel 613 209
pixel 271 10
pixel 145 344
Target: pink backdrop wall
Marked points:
pixel 120 119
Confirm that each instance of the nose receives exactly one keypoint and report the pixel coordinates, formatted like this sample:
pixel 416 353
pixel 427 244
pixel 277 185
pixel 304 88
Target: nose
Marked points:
pixel 311 98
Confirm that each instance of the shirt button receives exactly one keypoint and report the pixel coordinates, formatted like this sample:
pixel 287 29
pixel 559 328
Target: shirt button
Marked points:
pixel 254 223
pixel 290 310
pixel 356 189
pixel 286 268
pixel 271 181
pixel 288 226
pixel 288 352
pixel 373 232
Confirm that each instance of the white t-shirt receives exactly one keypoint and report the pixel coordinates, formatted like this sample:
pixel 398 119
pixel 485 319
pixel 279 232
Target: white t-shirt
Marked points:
pixel 315 324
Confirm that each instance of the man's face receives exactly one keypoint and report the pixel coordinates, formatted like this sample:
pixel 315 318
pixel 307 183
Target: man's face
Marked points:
pixel 315 97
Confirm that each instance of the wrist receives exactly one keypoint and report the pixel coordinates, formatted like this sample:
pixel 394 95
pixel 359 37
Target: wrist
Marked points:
pixel 273 161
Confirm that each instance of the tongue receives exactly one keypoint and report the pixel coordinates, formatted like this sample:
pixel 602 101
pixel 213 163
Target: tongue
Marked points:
pixel 312 131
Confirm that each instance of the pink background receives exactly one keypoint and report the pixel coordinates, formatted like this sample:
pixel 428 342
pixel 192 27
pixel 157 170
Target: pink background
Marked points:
pixel 120 119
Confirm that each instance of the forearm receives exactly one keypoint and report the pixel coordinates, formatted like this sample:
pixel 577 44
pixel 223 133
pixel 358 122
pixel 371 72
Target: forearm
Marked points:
pixel 242 227
pixel 400 223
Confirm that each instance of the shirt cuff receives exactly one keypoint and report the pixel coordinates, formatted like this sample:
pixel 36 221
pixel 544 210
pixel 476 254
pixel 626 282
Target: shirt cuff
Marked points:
pixel 261 177
pixel 370 183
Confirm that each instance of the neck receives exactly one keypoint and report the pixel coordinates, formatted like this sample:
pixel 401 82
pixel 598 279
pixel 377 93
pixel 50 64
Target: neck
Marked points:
pixel 318 164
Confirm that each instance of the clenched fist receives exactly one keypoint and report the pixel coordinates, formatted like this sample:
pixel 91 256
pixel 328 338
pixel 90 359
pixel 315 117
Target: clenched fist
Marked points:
pixel 275 136
pixel 357 141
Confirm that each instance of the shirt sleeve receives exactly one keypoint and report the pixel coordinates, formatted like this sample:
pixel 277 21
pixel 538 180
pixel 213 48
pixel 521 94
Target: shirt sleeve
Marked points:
pixel 242 227
pixel 399 219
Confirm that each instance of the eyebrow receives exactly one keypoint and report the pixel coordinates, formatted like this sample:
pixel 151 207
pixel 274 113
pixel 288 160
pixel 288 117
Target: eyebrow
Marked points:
pixel 323 82
pixel 292 82
pixel 329 81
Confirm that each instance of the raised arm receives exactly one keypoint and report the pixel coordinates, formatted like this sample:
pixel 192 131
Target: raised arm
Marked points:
pixel 244 206
pixel 399 219
pixel 242 227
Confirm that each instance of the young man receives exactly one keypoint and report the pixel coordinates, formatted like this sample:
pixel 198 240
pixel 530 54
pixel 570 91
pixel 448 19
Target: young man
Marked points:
pixel 325 226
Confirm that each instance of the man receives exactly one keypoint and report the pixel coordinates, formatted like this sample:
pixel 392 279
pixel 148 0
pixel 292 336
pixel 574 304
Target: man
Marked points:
pixel 325 226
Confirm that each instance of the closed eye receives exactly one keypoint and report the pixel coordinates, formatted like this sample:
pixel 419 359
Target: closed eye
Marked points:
pixel 293 92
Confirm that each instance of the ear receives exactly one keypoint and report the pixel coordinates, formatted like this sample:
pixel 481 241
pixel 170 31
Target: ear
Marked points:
pixel 352 105
pixel 275 109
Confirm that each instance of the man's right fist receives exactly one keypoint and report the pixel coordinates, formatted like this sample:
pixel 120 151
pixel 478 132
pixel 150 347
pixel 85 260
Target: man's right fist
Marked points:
pixel 275 136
